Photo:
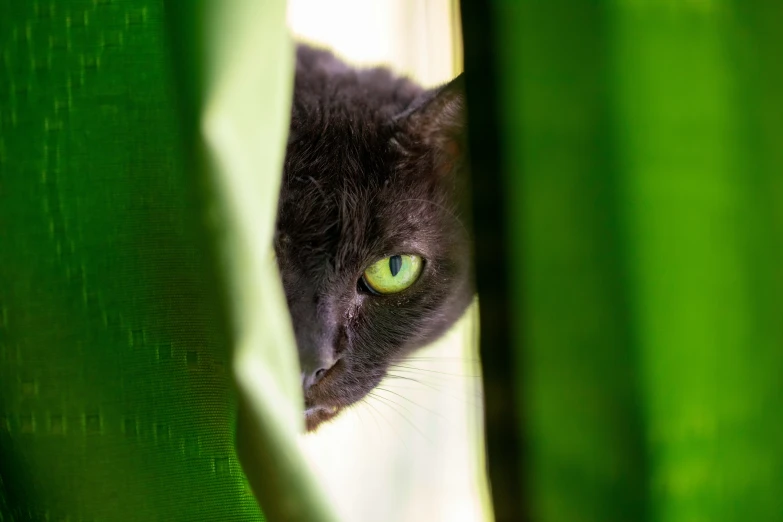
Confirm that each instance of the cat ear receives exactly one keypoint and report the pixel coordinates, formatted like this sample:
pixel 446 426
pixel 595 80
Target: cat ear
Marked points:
pixel 438 119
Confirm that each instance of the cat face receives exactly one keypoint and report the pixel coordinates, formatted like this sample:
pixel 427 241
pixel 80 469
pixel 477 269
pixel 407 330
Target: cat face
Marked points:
pixel 370 184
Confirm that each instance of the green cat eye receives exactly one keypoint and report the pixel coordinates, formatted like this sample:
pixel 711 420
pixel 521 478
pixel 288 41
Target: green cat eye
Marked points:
pixel 393 274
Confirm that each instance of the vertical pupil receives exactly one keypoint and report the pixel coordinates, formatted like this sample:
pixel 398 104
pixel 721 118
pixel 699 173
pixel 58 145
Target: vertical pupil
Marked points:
pixel 395 263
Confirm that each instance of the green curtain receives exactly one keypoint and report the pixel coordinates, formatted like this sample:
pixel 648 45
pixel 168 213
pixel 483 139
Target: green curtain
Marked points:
pixel 628 186
pixel 121 257
pixel 629 217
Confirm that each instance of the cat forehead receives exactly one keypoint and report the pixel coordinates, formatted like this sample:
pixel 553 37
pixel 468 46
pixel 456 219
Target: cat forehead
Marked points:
pixel 359 152
pixel 331 195
pixel 359 202
pixel 351 193
pixel 345 125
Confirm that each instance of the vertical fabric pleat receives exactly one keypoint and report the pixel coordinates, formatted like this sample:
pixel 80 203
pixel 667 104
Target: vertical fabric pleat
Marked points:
pixel 118 319
pixel 638 192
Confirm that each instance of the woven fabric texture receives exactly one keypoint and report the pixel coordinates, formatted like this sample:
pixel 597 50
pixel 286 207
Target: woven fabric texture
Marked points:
pixel 115 395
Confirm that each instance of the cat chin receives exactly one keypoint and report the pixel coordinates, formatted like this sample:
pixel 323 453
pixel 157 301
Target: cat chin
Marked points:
pixel 318 414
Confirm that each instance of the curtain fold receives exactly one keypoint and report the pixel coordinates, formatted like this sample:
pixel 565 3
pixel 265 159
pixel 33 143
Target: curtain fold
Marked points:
pixel 121 260
pixel 636 287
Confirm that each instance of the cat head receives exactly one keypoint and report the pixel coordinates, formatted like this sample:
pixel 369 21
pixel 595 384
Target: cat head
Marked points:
pixel 372 239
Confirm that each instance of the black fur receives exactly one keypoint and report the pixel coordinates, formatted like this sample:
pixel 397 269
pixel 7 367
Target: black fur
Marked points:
pixel 373 168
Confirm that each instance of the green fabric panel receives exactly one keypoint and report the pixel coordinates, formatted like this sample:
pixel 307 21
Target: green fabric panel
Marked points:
pixel 576 373
pixel 115 391
pixel 640 146
pixel 701 193
pixel 235 109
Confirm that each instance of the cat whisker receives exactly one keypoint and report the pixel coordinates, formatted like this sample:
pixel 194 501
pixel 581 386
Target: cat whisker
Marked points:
pixel 391 425
pixel 436 387
pixel 439 359
pixel 357 412
pixel 388 402
pixel 373 417
pixel 413 368
pixel 464 399
pixel 412 402
pixel 432 379
pixel 476 397
pixel 395 376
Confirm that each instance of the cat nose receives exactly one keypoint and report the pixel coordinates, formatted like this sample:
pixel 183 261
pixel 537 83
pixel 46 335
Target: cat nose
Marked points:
pixel 314 370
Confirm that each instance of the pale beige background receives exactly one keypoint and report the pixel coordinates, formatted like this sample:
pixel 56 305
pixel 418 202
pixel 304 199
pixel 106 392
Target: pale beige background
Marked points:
pixel 415 452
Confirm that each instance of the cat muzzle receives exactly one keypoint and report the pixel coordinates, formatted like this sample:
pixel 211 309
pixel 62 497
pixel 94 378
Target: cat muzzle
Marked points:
pixel 317 414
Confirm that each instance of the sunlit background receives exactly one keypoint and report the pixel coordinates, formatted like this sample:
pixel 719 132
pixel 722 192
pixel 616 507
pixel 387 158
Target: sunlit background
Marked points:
pixel 419 434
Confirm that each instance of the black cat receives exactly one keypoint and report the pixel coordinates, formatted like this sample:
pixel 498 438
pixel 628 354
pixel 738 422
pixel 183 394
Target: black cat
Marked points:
pixel 372 235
